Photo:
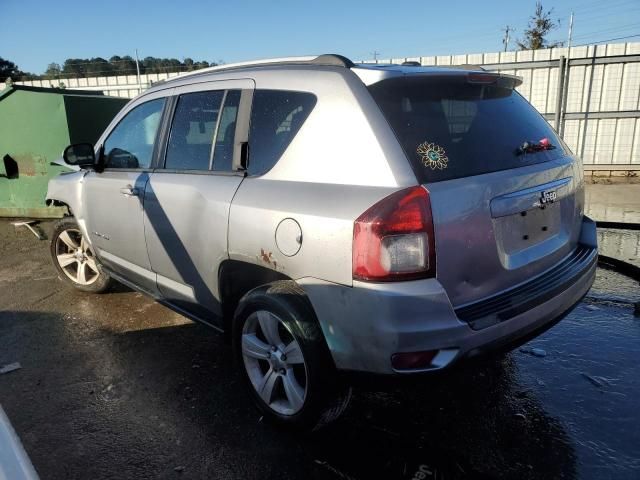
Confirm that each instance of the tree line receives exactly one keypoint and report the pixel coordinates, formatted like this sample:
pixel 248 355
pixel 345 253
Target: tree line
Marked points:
pixel 100 67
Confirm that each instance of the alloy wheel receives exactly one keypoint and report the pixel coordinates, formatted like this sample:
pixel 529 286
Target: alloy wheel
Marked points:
pixel 75 257
pixel 274 362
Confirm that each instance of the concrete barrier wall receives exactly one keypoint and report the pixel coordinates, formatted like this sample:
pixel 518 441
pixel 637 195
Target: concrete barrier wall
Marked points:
pixel 602 114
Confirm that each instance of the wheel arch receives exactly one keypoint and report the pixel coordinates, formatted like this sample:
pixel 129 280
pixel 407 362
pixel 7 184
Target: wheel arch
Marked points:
pixel 65 190
pixel 236 278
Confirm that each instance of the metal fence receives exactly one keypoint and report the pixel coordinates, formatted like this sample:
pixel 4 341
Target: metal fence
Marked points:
pixel 597 111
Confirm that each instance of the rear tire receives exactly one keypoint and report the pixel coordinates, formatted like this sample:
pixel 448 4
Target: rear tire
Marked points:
pixel 284 359
pixel 74 259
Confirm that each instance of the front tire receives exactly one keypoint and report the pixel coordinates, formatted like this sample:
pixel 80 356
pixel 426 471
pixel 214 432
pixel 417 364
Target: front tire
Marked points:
pixel 74 259
pixel 284 360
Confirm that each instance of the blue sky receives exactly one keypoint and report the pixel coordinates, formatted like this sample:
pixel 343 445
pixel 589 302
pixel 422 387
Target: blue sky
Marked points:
pixel 34 33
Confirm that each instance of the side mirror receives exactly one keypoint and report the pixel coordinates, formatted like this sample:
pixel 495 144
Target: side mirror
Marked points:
pixel 80 154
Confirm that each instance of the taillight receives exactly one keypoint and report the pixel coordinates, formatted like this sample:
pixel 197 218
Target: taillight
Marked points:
pixel 393 240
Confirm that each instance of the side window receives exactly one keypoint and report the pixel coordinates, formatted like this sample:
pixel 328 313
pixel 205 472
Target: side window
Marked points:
pixel 223 152
pixel 276 117
pixel 130 144
pixel 192 131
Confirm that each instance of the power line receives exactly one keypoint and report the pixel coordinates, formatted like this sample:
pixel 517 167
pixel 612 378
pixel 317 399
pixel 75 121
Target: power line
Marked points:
pixel 608 30
pixel 596 9
pixel 608 40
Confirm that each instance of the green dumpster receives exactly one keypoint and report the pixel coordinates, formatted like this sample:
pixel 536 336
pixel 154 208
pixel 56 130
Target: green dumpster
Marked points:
pixel 36 124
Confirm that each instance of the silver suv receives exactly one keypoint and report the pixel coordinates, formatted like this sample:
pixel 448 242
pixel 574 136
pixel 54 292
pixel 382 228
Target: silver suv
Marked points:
pixel 333 217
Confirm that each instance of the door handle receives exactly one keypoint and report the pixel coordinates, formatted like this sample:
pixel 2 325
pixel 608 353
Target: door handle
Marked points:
pixel 129 191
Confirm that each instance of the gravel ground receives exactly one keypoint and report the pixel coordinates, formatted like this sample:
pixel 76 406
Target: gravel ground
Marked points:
pixel 117 386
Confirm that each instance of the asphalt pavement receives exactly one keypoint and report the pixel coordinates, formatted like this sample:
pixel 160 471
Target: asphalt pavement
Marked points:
pixel 117 386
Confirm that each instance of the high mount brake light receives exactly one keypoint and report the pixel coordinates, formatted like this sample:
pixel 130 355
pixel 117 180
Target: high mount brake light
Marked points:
pixel 482 78
pixel 394 239
pixel 498 80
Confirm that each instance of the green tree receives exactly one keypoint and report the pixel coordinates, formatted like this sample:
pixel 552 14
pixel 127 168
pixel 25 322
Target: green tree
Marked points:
pixel 540 25
pixel 8 69
pixel 202 64
pixel 188 63
pixel 117 65
pixel 123 65
pixel 74 67
pixel 54 70
pixel 97 67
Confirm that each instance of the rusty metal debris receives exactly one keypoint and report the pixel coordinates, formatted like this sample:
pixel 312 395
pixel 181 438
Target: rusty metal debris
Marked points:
pixel 28 223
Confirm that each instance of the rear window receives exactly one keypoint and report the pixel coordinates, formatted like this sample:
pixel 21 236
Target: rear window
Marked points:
pixel 450 128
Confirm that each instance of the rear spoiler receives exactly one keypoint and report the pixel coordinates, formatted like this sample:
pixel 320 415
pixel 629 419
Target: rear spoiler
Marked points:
pixel 504 80
pixel 374 73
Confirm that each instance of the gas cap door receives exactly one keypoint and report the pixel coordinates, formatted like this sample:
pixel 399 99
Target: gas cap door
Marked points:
pixel 289 237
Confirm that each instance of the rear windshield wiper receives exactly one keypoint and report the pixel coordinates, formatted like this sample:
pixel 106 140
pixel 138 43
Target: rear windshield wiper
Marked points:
pixel 532 147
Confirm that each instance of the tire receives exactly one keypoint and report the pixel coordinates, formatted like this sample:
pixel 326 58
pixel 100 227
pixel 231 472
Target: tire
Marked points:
pixel 75 261
pixel 298 381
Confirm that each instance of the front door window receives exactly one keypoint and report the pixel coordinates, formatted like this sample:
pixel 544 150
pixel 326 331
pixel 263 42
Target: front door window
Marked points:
pixel 130 144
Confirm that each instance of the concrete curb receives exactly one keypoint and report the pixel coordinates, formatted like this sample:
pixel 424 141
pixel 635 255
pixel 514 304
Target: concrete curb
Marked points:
pixel 623 267
pixel 618 225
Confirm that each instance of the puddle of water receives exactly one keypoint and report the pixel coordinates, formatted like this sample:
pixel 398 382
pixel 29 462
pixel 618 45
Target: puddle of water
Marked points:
pixel 572 413
pixel 621 244
pixel 591 379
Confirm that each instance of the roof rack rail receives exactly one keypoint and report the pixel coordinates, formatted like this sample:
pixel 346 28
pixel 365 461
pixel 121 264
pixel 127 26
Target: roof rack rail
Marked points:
pixel 329 60
pixel 333 59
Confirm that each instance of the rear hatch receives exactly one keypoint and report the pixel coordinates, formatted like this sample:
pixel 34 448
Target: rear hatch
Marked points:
pixel 506 195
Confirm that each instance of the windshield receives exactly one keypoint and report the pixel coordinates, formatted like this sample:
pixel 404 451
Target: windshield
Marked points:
pixel 451 128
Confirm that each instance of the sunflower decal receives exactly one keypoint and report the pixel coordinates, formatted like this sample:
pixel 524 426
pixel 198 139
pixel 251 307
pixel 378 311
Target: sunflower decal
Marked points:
pixel 433 156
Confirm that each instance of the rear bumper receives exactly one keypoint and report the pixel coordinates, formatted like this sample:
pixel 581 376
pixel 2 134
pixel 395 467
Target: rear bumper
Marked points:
pixel 366 324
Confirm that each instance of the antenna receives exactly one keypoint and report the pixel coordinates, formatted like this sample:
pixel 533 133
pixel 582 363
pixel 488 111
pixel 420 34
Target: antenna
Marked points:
pixel 375 55
pixel 570 32
pixel 565 81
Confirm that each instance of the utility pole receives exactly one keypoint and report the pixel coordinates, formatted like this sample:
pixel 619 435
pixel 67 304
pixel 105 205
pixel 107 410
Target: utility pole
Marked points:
pixel 375 55
pixel 506 38
pixel 570 33
pixel 138 72
pixel 565 86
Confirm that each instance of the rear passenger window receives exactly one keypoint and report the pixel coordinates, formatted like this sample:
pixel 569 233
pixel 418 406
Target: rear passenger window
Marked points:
pixel 276 117
pixel 223 153
pixel 192 131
